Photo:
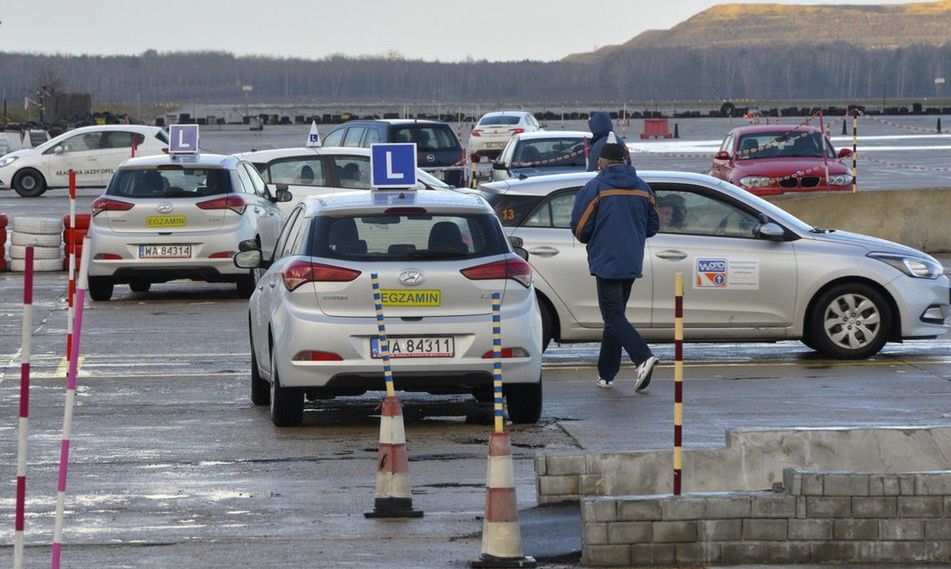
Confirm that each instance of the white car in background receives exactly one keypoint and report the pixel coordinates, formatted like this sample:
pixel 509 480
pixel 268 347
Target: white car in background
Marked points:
pixel 494 130
pixel 309 171
pixel 93 152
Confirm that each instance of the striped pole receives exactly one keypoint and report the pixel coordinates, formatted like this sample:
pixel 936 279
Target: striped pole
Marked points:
pixel 678 379
pixel 383 343
pixel 825 157
pixel 26 343
pixel 71 276
pixel 855 150
pixel 68 411
pixel 497 360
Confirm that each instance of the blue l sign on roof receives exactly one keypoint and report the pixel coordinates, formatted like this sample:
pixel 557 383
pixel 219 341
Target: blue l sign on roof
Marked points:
pixel 393 165
pixel 183 139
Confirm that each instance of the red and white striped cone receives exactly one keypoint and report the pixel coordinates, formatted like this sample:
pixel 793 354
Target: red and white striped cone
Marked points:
pixel 393 498
pixel 501 536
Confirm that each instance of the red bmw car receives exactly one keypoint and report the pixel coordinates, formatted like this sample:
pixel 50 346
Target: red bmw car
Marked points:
pixel 768 160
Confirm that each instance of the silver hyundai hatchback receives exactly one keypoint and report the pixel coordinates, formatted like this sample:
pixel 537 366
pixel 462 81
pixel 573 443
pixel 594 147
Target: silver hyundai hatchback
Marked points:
pixel 179 217
pixel 752 271
pixel 439 257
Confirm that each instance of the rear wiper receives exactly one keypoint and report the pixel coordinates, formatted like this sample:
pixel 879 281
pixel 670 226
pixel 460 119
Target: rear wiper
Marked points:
pixel 435 255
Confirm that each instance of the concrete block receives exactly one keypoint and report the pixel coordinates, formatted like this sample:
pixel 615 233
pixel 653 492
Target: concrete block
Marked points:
pixel 906 484
pixel 764 552
pixel 792 482
pixel 933 484
pixel 919 506
pixel 540 464
pixel 890 485
pixel 875 507
pixel 900 530
pixel 938 530
pixel 727 506
pixel 671 532
pixel 558 484
pixel 607 555
pixel 947 506
pixel 822 507
pixel 876 486
pixel 845 485
pixel 811 484
pixel 695 553
pixel 682 508
pixel 801 507
pixel 563 465
pixel 904 552
pixel 598 510
pixel 629 532
pixel 765 530
pixel 591 484
pixel 833 551
pixel 653 554
pixel 810 530
pixel 855 530
pixel 720 530
pixel 773 506
pixel 594 533
pixel 636 510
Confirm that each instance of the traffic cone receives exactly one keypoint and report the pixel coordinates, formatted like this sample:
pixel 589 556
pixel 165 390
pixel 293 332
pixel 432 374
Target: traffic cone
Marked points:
pixel 393 499
pixel 501 536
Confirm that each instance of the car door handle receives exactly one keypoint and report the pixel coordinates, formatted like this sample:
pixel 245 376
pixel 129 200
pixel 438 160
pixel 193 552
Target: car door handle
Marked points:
pixel 544 251
pixel 672 255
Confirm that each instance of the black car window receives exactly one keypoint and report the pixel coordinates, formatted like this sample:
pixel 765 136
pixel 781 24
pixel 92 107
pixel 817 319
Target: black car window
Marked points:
pixel 306 171
pixel 555 211
pixel 499 120
pixel 285 233
pixel 511 210
pixel 169 182
pixel 162 136
pixel 690 211
pixel 353 136
pixel 120 139
pixel 352 172
pixel 428 138
pixel 335 138
pixel 540 152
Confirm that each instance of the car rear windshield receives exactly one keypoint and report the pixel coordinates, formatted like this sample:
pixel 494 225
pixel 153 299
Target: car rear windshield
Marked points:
pixel 405 237
pixel 170 183
pixel 500 119
pixel 428 138
pixel 549 152
pixel 511 210
pixel 793 144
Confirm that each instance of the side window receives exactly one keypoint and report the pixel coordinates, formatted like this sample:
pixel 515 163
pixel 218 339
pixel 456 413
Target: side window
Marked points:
pixel 354 134
pixel 246 185
pixel 292 246
pixel 511 210
pixel 541 217
pixel 373 137
pixel 120 139
pixel 682 210
pixel 555 212
pixel 353 172
pixel 298 171
pixel 335 138
pixel 260 188
pixel 80 143
pixel 285 234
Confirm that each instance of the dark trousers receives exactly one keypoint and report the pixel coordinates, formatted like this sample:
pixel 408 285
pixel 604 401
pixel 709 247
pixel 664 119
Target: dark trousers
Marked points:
pixel 613 295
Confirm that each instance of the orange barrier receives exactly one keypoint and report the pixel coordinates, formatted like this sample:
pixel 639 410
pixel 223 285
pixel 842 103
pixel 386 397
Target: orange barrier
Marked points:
pixel 656 128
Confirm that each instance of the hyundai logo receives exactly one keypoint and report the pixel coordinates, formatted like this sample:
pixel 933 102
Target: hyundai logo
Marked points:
pixel 164 207
pixel 411 277
pixel 431 157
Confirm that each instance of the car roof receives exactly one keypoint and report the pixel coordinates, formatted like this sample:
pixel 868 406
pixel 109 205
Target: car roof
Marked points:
pixel 100 128
pixel 300 151
pixel 395 122
pixel 553 134
pixel 203 159
pixel 543 185
pixel 376 201
pixel 773 128
pixel 505 113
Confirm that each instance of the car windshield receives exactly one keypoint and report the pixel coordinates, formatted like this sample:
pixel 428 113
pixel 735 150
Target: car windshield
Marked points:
pixel 499 119
pixel 791 144
pixel 549 152
pixel 169 183
pixel 432 182
pixel 405 237
pixel 428 138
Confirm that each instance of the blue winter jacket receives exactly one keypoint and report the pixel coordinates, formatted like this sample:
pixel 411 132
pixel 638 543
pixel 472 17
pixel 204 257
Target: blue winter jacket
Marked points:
pixel 617 227
pixel 601 126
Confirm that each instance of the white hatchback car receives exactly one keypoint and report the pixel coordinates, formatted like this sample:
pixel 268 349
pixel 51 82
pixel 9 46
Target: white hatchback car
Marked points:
pixel 310 171
pixel 439 257
pixel 179 217
pixel 93 152
pixel 753 272
pixel 541 153
pixel 494 130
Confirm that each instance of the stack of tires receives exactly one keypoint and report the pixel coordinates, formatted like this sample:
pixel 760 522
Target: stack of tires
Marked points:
pixel 45 235
pixel 3 242
pixel 74 236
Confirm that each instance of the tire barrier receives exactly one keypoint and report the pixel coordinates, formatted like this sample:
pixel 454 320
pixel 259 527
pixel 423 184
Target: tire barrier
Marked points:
pixel 73 237
pixel 44 235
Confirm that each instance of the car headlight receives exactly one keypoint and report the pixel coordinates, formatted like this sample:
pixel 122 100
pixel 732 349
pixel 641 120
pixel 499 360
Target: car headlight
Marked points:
pixel 755 181
pixel 840 179
pixel 912 266
pixel 4 162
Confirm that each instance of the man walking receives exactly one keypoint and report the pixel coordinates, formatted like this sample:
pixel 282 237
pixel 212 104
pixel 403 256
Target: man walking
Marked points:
pixel 614 214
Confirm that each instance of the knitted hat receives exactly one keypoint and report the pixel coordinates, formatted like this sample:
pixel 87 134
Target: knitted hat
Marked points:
pixel 613 152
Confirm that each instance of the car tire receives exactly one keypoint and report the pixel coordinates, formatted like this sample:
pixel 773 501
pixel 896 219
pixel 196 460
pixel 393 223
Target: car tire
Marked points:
pixel 287 403
pixel 850 321
pixel 29 183
pixel 100 288
pixel 548 323
pixel 260 389
pixel 140 286
pixel 524 401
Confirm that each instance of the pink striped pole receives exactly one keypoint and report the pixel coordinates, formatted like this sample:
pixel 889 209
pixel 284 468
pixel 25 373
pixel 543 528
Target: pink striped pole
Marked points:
pixel 26 352
pixel 71 249
pixel 68 412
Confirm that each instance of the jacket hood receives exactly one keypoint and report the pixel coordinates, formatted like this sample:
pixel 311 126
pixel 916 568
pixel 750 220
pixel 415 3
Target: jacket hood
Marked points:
pixel 600 123
pixel 621 176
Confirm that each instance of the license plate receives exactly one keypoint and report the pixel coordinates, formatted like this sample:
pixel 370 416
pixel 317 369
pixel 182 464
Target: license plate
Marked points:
pixel 416 347
pixel 399 297
pixel 162 221
pixel 494 145
pixel 165 251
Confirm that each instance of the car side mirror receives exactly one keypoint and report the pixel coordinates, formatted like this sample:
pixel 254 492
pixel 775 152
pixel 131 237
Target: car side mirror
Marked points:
pixel 771 231
pixel 499 166
pixel 248 259
pixel 844 153
pixel 517 246
pixel 58 150
pixel 248 245
pixel 283 194
pixel 722 155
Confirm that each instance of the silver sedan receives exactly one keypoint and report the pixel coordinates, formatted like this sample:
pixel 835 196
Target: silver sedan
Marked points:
pixel 752 271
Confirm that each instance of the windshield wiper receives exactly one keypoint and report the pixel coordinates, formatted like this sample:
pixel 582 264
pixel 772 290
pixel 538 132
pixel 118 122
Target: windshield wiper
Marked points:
pixel 821 230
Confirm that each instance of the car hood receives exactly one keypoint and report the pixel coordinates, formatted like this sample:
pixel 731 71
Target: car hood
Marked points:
pixel 867 242
pixel 19 153
pixel 775 167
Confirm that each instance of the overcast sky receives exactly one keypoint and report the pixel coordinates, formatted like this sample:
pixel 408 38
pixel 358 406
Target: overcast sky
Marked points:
pixel 444 30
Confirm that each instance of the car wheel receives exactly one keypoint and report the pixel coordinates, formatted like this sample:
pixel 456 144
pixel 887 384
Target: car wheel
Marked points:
pixel 140 286
pixel 524 401
pixel 29 183
pixel 100 288
pixel 287 403
pixel 260 389
pixel 850 321
pixel 547 323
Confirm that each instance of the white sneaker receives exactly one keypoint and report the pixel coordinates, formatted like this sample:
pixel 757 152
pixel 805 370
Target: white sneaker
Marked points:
pixel 605 383
pixel 642 376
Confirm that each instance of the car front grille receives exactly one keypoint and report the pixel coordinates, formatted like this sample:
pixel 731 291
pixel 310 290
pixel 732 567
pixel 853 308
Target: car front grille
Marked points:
pixel 797 182
pixel 809 181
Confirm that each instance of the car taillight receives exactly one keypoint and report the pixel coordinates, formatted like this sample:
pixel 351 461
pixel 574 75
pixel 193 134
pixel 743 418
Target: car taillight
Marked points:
pixel 299 272
pixel 518 130
pixel 476 132
pixel 316 356
pixel 234 203
pixel 507 353
pixel 510 268
pixel 109 204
